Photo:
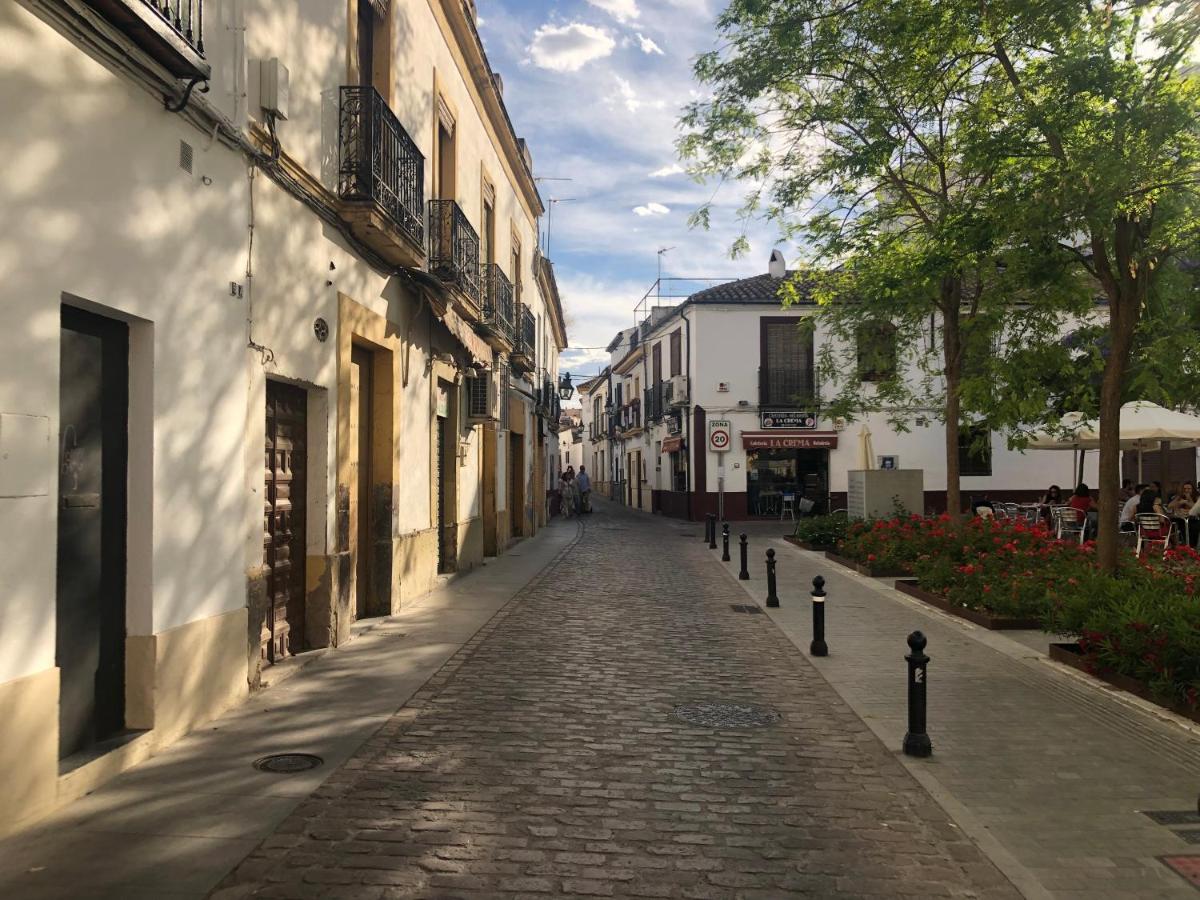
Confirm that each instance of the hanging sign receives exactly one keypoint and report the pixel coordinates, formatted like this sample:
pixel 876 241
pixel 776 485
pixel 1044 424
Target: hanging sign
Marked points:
pixel 787 418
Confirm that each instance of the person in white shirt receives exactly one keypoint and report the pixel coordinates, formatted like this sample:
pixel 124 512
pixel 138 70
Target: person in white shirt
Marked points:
pixel 1129 510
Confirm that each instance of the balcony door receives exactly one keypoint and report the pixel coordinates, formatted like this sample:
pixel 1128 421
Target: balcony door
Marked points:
pixel 444 171
pixel 372 57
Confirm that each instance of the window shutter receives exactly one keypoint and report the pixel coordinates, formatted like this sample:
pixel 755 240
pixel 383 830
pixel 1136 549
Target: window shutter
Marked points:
pixel 479 396
pixel 676 352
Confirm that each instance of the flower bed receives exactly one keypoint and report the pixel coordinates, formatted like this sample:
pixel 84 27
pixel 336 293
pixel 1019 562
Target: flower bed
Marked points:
pixel 1142 623
pixel 820 532
pixel 1071 655
pixel 912 588
pixel 871 568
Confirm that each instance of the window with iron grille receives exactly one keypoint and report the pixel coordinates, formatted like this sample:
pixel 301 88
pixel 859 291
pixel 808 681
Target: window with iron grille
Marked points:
pixel 502 383
pixel 876 351
pixel 974 450
pixel 479 395
pixel 786 376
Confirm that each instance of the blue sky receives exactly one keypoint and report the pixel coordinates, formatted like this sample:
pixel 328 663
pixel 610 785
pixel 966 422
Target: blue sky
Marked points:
pixel 596 87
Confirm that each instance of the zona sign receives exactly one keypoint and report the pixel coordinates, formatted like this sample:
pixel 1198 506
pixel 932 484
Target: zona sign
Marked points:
pixel 719 434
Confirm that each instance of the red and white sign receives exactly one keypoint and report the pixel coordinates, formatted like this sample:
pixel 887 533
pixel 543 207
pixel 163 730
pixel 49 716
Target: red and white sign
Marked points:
pixel 720 433
pixel 789 440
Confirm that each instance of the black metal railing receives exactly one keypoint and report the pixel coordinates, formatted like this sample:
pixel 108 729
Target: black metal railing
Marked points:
pixel 526 331
pixel 499 312
pixel 658 401
pixel 184 17
pixel 454 248
pixel 377 160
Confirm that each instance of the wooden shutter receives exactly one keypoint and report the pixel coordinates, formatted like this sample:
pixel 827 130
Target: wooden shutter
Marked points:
pixel 656 370
pixel 677 352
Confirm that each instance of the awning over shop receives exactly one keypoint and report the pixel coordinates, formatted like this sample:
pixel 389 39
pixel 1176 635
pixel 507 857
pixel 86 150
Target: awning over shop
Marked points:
pixel 789 440
pixel 477 347
pixel 672 444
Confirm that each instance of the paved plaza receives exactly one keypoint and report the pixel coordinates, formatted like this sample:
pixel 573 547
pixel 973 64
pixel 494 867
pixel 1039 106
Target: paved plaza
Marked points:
pixel 608 712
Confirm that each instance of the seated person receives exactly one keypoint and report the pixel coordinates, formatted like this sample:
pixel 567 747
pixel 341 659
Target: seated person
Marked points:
pixel 981 506
pixel 1129 507
pixel 1149 503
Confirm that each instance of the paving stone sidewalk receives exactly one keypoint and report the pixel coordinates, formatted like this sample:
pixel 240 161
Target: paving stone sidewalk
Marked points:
pixel 1051 771
pixel 545 760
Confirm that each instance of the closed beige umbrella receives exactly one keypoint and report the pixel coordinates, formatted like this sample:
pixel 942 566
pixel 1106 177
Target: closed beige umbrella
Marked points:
pixel 866 450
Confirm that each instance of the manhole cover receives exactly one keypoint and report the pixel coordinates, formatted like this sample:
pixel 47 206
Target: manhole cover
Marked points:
pixel 748 608
pixel 288 763
pixel 1187 867
pixel 726 715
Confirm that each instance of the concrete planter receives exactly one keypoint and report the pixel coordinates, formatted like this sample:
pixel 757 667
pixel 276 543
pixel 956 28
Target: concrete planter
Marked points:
pixel 864 568
pixel 809 545
pixel 1071 655
pixel 978 616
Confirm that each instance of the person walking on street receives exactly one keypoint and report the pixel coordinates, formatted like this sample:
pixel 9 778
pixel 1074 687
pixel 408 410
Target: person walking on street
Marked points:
pixel 566 489
pixel 584 485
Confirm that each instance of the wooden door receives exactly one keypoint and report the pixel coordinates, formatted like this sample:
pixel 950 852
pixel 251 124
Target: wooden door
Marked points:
pixel 285 512
pixel 361 431
pixel 516 482
pixel 90 583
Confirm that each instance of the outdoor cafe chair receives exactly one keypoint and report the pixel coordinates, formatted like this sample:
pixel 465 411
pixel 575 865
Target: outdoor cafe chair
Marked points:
pixel 788 505
pixel 1152 529
pixel 1069 522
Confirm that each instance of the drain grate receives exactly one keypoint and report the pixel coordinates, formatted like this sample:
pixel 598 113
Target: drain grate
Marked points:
pixel 1187 867
pixel 1172 816
pixel 287 763
pixel 726 715
pixel 748 608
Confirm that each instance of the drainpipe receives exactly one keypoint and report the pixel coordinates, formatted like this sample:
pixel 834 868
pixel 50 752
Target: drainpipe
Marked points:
pixel 687 415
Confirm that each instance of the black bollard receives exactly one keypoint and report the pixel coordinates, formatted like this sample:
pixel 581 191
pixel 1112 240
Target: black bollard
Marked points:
pixel 916 741
pixel 772 598
pixel 708 520
pixel 725 542
pixel 744 575
pixel 712 532
pixel 818 647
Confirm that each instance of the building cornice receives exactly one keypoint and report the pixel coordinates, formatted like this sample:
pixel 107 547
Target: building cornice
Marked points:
pixel 458 29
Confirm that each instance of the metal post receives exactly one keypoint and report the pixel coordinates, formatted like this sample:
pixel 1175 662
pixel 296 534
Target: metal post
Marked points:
pixel 916 741
pixel 707 525
pixel 772 598
pixel 818 647
pixel 725 542
pixel 712 532
pixel 744 575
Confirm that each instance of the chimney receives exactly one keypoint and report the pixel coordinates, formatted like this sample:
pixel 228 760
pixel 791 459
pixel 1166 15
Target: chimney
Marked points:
pixel 499 82
pixel 777 267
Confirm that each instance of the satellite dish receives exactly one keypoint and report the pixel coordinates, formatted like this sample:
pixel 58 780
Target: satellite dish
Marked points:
pixel 778 266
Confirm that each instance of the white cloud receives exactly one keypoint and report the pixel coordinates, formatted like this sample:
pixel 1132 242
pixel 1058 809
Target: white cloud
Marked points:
pixel 628 94
pixel 621 10
pixel 651 209
pixel 567 48
pixel 667 171
pixel 647 45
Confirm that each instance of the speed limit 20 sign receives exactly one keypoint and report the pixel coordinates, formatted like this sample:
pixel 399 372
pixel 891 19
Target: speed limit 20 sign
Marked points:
pixel 719 432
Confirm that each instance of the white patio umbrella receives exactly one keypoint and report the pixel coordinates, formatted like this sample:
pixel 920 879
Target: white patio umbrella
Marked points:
pixel 866 451
pixel 1144 426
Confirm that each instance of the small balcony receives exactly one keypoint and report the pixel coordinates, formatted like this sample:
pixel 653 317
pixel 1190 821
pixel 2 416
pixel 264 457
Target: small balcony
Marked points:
pixel 381 177
pixel 170 31
pixel 498 323
pixel 454 252
pixel 524 346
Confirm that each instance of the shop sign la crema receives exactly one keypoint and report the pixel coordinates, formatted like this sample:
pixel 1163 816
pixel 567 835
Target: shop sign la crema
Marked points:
pixel 790 419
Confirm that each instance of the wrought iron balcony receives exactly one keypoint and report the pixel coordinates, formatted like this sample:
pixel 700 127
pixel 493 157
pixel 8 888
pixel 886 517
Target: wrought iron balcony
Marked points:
pixel 454 249
pixel 525 344
pixel 378 163
pixel 171 31
pixel 499 312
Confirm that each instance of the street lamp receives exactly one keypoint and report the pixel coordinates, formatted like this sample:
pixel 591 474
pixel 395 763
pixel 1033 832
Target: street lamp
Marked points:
pixel 565 388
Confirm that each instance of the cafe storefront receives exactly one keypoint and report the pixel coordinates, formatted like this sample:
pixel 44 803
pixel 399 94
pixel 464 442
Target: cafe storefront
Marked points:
pixel 784 464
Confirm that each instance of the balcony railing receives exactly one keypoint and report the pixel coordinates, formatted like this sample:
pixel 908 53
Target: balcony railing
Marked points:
pixel 454 248
pixel 658 401
pixel 499 312
pixel 184 17
pixel 526 337
pixel 378 162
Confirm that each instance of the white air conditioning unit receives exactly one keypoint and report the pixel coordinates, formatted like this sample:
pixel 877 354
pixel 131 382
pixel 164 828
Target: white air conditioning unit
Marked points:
pixel 679 390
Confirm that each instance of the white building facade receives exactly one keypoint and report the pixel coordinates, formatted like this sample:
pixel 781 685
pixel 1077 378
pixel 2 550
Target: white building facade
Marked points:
pixel 279 351
pixel 730 359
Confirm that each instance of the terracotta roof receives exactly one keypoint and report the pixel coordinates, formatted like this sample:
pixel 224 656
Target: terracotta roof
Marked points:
pixel 758 289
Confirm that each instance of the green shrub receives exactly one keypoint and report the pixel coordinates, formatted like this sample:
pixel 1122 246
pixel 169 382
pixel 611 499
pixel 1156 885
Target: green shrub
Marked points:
pixel 828 530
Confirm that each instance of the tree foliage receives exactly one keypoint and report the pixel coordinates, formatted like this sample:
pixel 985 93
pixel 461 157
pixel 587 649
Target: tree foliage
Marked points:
pixel 979 174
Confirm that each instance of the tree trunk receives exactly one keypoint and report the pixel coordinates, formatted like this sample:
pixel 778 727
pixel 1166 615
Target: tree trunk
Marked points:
pixel 952 359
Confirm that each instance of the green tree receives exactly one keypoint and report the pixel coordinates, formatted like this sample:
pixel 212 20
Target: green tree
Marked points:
pixel 1106 97
pixel 866 130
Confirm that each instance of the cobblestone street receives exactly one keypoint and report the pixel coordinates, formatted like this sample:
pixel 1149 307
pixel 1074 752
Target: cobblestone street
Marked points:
pixel 545 759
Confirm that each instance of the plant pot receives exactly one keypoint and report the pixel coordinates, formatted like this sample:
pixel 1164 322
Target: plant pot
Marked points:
pixel 864 568
pixel 980 617
pixel 1071 655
